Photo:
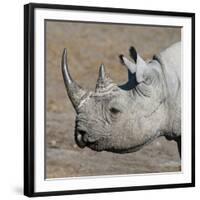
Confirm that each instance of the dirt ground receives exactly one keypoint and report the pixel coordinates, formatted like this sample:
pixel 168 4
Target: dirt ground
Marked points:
pixel 88 46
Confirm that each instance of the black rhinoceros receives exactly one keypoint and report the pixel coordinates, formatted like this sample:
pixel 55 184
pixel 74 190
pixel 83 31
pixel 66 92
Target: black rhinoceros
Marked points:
pixel 124 118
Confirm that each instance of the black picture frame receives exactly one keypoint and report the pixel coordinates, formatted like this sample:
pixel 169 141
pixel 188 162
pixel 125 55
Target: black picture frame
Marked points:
pixel 29 95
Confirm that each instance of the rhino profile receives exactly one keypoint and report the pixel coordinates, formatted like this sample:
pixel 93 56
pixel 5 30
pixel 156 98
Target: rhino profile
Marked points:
pixel 124 118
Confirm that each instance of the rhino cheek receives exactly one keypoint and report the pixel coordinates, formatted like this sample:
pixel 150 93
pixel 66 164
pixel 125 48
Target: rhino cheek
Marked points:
pixel 122 135
pixel 131 134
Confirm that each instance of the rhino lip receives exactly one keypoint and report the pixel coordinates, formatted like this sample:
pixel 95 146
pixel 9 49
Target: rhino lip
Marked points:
pixel 84 141
pixel 137 147
pixel 94 146
pixel 79 141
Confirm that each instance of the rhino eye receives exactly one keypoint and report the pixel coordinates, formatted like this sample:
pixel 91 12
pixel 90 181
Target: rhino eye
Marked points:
pixel 114 111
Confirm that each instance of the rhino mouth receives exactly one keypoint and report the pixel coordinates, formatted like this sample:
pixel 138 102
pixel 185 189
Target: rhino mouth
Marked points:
pixel 83 140
pixel 79 141
pixel 137 147
pixel 92 145
pixel 101 146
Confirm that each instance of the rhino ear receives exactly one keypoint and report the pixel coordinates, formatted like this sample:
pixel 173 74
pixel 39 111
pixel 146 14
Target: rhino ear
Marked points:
pixel 133 53
pixel 127 63
pixel 141 66
pixel 137 66
pixel 141 72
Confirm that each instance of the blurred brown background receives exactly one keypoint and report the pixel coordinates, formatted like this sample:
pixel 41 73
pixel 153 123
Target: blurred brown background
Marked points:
pixel 89 45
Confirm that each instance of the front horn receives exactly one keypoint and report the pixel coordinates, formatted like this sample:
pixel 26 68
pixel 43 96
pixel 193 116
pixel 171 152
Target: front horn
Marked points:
pixel 75 92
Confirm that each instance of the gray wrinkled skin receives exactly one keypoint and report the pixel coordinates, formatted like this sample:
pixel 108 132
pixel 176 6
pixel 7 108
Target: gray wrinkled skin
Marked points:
pixel 124 118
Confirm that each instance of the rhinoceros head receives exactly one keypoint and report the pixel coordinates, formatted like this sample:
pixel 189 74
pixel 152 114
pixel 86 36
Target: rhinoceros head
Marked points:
pixel 114 118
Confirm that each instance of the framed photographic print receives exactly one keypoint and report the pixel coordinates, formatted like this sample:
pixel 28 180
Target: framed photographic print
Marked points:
pixel 109 99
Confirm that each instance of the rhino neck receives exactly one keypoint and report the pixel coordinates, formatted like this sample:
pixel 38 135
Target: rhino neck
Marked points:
pixel 170 67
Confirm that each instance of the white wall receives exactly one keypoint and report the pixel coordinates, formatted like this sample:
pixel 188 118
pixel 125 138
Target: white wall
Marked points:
pixel 11 99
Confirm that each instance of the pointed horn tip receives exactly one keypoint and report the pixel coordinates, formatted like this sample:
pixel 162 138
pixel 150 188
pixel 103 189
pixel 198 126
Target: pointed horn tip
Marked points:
pixel 102 65
pixel 102 68
pixel 64 58
pixel 64 55
pixel 64 51
pixel 101 71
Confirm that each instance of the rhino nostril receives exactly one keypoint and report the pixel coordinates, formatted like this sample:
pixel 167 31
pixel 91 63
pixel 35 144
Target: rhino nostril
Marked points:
pixel 83 137
pixel 82 132
pixel 80 138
